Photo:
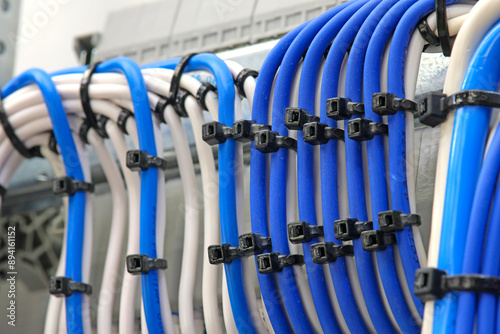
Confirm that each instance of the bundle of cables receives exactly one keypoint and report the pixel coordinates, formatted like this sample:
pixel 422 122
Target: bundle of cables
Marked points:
pixel 332 243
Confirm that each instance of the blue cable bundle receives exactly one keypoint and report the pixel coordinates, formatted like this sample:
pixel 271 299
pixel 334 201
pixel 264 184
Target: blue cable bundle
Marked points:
pixel 73 168
pixel 461 209
pixel 279 160
pixel 385 17
pixel 274 302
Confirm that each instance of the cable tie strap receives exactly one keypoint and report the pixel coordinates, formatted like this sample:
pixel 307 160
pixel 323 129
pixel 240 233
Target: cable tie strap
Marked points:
pixel 432 284
pixel 86 126
pixel 385 104
pixel 267 141
pixel 160 108
pixel 224 253
pixel 64 287
pixel 121 122
pixel 241 77
pixel 142 264
pixel 244 130
pixel 85 99
pixel 375 240
pixel 69 186
pixel 274 262
pixel 53 143
pixel 362 129
pixel 253 243
pixel 316 133
pixel 397 221
pixel 138 160
pixel 442 27
pixel 341 108
pixel 427 34
pixel 295 118
pixel 435 107
pixel 350 228
pixel 324 252
pixel 202 92
pixel 176 82
pixel 14 139
pixel 300 232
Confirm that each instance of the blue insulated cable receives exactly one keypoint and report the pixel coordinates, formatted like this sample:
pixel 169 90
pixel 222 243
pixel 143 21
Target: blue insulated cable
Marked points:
pixel 282 96
pixel 329 186
pixel 149 184
pixel 227 187
pixel 379 36
pixel 273 300
pixel 73 168
pixel 478 221
pixel 466 157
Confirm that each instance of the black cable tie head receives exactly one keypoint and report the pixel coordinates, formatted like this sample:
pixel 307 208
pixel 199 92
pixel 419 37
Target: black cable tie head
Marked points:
pixel 350 228
pixel 432 110
pixel 300 232
pixel 138 160
pixel 428 284
pixel 121 122
pixel 295 118
pixel 224 253
pixel 215 133
pixel 244 130
pixel 375 240
pixel 316 133
pixel 253 243
pixel 202 92
pixel 397 221
pixel 69 186
pixel 341 108
pixel 362 129
pixel 324 252
pixel 267 141
pixel 142 264
pixel 274 262
pixel 179 103
pixel 385 104
pixel 64 287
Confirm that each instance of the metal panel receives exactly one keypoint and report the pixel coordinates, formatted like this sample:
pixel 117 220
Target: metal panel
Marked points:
pixel 9 18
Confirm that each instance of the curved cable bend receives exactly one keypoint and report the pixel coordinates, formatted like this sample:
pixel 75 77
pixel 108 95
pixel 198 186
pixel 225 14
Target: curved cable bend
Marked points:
pixel 76 215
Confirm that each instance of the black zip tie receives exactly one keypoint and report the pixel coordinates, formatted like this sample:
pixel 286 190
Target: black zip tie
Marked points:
pixel 295 118
pixel 300 232
pixel 3 191
pixel 362 129
pixel 159 110
pixel 442 27
pixel 64 287
pixel 274 262
pixel 253 243
pixel 324 252
pixel 53 143
pixel 239 81
pixel 341 108
pixel 267 141
pixel 397 221
pixel 224 253
pixel 350 228
pixel 176 82
pixel 86 126
pixel 385 104
pixel 427 34
pixel 244 130
pixel 138 264
pixel 138 160
pixel 433 283
pixel 435 107
pixel 121 122
pixel 375 240
pixel 202 92
pixel 316 133
pixel 214 132
pixel 90 116
pixel 69 186
pixel 14 139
